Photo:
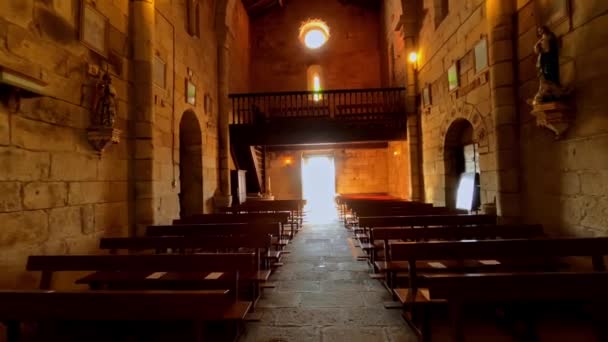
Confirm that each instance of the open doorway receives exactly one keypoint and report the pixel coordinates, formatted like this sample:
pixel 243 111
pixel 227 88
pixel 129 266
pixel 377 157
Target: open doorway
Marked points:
pixel 190 165
pixel 319 187
pixel 461 167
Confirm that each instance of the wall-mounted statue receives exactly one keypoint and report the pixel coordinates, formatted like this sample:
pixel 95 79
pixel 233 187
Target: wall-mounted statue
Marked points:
pixel 550 106
pixel 102 133
pixel 547 66
pixel 104 111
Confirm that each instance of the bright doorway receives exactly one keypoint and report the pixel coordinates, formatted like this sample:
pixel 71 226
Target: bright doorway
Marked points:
pixel 319 188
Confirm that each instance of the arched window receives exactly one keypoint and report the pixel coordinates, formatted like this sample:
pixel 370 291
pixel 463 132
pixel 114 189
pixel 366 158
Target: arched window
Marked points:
pixel 314 76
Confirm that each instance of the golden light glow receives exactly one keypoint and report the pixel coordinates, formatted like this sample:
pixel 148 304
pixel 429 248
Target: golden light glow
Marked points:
pixel 413 57
pixel 288 161
pixel 314 33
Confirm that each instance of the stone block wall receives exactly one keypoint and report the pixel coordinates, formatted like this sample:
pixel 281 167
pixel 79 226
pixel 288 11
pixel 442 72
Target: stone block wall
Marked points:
pixel 398 164
pixel 394 55
pixel 358 170
pixel 350 59
pixel 565 182
pixel 453 40
pixel 186 57
pixel 361 170
pixel 57 195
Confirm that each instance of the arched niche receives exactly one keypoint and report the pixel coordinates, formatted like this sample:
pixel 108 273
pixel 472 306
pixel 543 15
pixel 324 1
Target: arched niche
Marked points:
pixel 190 165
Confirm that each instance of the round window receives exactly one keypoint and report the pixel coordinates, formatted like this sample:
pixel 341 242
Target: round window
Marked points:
pixel 314 34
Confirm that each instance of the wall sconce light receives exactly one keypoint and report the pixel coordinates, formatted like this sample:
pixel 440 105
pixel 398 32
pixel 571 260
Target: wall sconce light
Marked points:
pixel 396 153
pixel 288 161
pixel 412 58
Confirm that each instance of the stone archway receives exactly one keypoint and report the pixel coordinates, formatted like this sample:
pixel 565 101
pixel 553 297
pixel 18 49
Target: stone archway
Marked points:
pixel 190 165
pixel 460 150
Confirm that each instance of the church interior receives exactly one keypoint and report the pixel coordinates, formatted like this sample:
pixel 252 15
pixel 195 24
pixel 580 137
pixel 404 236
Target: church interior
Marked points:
pixel 303 170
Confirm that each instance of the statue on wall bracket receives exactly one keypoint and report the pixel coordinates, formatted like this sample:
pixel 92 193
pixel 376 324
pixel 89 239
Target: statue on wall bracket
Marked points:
pixel 549 105
pixel 103 117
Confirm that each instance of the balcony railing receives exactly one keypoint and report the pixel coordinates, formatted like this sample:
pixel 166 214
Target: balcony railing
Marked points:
pixel 381 104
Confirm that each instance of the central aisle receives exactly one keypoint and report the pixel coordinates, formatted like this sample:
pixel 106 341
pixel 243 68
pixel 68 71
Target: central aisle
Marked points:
pixel 324 294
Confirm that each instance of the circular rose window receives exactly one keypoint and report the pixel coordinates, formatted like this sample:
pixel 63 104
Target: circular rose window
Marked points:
pixel 314 34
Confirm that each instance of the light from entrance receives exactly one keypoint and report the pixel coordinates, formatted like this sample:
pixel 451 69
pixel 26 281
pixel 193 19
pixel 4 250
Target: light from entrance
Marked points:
pixel 319 188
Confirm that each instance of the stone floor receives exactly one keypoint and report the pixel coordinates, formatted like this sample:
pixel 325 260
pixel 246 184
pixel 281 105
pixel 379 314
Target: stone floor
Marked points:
pixel 324 294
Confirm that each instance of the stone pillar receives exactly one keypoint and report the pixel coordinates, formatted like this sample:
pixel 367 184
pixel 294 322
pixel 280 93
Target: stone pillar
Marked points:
pixel 142 38
pixel 410 29
pixel 502 32
pixel 413 129
pixel 223 198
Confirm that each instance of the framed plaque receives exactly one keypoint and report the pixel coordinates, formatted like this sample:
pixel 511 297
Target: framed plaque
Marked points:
pixel 94 29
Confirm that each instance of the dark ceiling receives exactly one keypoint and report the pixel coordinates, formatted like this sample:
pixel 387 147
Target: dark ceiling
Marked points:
pixel 257 8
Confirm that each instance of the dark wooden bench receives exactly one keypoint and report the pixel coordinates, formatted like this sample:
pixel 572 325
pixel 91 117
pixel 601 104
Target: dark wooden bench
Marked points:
pixel 390 267
pixel 416 221
pixel 227 230
pixel 194 307
pixel 486 256
pixel 281 218
pixel 259 243
pixel 294 207
pixel 508 288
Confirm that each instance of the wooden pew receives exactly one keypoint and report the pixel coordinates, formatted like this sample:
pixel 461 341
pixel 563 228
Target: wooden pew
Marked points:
pixel 294 207
pixel 141 266
pixel 20 306
pixel 416 221
pixel 465 289
pixel 260 243
pixel 230 230
pixel 390 267
pixel 520 255
pixel 281 218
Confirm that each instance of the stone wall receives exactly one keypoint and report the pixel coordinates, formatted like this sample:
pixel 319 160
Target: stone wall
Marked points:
pixel 565 183
pixel 398 164
pixel 240 52
pixel 453 41
pixel 394 55
pixel 185 55
pixel 361 170
pixel 350 59
pixel 57 195
pixel 358 170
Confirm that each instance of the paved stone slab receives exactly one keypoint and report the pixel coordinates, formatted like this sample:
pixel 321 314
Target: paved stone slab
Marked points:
pixel 324 294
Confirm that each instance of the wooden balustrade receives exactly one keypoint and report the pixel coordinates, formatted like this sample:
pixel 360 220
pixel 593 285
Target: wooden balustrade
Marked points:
pixel 381 104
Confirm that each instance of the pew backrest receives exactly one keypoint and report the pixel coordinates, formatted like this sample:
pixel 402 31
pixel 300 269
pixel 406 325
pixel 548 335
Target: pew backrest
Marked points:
pixel 458 233
pixel 232 229
pixel 211 262
pixel 426 221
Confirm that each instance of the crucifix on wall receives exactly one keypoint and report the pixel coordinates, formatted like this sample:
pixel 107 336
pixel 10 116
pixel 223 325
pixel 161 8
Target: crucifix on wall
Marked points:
pixel 193 17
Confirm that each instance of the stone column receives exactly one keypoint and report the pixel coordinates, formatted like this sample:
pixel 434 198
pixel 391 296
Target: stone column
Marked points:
pixel 410 29
pixel 502 33
pixel 413 129
pixel 223 198
pixel 142 104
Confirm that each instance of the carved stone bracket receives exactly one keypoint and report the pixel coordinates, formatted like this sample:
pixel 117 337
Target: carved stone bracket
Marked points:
pixel 555 116
pixel 101 137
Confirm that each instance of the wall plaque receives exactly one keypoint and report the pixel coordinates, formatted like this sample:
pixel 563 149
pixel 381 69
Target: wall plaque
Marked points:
pixel 94 29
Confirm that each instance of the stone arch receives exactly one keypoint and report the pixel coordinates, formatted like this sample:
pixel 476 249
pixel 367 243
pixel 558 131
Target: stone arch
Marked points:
pixel 461 110
pixel 190 165
pixel 459 134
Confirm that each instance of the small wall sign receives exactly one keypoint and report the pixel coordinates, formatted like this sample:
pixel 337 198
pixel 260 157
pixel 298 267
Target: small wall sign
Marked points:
pixel 94 29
